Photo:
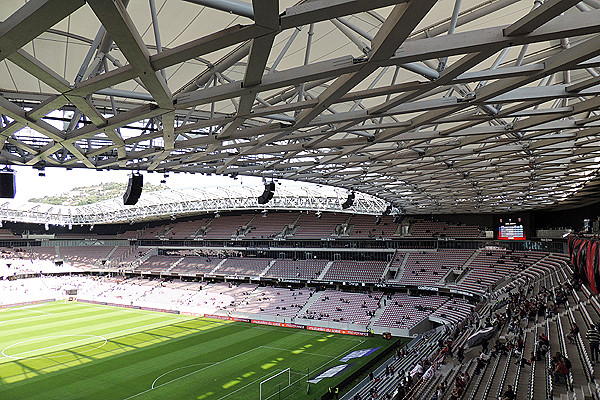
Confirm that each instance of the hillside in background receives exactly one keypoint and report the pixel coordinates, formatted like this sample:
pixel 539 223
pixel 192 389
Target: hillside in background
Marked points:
pixel 81 196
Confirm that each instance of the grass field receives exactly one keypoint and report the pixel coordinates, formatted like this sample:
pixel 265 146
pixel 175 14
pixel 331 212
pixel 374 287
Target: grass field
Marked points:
pixel 72 350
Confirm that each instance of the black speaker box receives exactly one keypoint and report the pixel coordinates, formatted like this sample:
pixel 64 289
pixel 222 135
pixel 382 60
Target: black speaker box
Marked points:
pixel 7 184
pixel 134 190
pixel 267 195
pixel 349 201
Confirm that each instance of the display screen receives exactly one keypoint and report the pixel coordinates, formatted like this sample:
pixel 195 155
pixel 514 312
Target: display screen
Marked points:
pixel 511 230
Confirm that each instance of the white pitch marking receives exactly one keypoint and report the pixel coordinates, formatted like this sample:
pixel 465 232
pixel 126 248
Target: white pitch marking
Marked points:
pixel 20 355
pixel 176 369
pixel 318 368
pixel 191 373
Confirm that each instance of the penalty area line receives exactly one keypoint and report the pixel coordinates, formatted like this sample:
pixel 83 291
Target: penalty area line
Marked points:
pixel 191 373
pixel 250 383
pixel 318 368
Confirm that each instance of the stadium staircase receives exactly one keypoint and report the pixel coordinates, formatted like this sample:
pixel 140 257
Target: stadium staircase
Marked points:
pixel 562 314
pixel 470 259
pixel 345 227
pixel 264 271
pixel 176 263
pixel 378 312
pixel 201 231
pixel 522 276
pixel 139 261
pixel 535 381
pixel 112 252
pixel 217 267
pixel 290 230
pixel 465 267
pixel 419 348
pixel 402 266
pixel 308 303
pixel 164 234
pixel 244 229
pixel 322 275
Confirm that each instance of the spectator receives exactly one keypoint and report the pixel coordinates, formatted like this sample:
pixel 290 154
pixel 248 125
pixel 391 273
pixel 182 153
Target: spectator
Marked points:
pixel 509 394
pixel 484 345
pixel 456 393
pixel 557 357
pixel 460 355
pixel 525 361
pixel 560 371
pixel 593 337
pixel 573 333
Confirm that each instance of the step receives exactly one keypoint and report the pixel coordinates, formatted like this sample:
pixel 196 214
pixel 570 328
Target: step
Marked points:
pixel 329 264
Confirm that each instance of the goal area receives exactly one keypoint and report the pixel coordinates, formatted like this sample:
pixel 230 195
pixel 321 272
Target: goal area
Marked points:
pixel 271 387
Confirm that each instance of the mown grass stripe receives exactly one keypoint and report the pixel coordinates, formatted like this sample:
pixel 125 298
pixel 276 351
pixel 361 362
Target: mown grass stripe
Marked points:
pixel 143 346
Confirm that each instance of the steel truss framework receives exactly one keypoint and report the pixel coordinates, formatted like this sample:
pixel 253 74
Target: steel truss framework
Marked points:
pixel 433 106
pixel 178 203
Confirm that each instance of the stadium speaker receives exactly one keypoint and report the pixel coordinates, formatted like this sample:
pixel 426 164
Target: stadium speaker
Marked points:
pixel 267 195
pixel 349 201
pixel 7 184
pixel 388 210
pixel 134 189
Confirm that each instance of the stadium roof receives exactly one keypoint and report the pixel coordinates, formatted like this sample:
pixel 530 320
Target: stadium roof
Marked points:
pixel 160 205
pixel 434 106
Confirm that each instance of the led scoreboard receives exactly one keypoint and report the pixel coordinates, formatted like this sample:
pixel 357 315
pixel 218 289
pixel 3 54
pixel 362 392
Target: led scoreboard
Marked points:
pixel 510 230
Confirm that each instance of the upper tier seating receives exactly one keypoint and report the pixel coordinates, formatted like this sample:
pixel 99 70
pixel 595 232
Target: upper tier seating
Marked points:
pixel 84 256
pixel 311 227
pixel 429 267
pixel 243 266
pixel 42 253
pixel 196 265
pixel 297 269
pixel 227 226
pixel 187 229
pixel 7 234
pixel 296 225
pixel 356 271
pixel 487 268
pixel 366 226
pixel 158 263
pixel 269 225
pixel 428 229
pixel 121 252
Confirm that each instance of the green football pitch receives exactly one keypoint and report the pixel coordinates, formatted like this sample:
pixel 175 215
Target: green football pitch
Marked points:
pixel 72 350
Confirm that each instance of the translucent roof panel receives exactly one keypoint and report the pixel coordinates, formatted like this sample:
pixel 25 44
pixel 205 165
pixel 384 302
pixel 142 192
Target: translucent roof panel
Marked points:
pixel 433 106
